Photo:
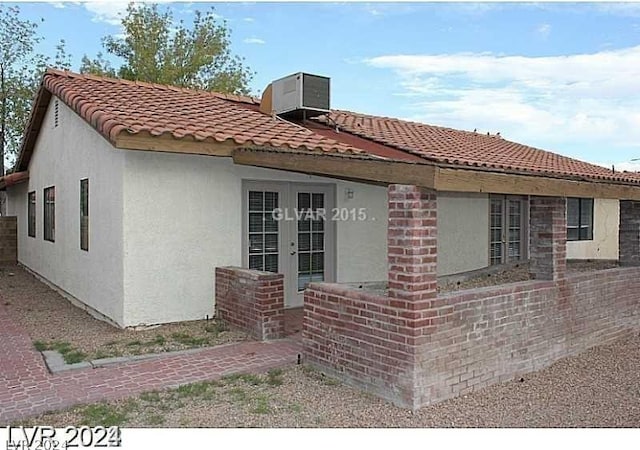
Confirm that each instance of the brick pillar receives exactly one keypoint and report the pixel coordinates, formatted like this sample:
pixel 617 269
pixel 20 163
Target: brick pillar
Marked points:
pixel 629 233
pixel 548 237
pixel 250 300
pixel 412 243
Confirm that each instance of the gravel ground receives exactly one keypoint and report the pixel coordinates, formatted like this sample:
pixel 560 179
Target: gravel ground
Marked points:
pixel 48 317
pixel 598 388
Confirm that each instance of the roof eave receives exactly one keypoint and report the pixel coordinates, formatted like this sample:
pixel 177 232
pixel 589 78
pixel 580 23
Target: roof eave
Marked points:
pixel 13 179
pixel 32 130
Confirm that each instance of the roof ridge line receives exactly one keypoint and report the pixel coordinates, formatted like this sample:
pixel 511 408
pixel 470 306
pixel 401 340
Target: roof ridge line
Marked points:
pixel 167 87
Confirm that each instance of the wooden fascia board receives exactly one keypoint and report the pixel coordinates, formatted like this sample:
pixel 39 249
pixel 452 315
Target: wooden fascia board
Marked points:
pixel 461 180
pixel 145 141
pixel 32 130
pixel 343 167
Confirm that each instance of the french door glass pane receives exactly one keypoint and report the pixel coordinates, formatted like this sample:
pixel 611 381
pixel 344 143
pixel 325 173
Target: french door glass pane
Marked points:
pixel 271 243
pixel 505 230
pixel 515 215
pixel 256 223
pixel 311 236
pixel 263 231
pixel 256 243
pixel 271 263
pixel 304 242
pixel 495 232
pixel 256 201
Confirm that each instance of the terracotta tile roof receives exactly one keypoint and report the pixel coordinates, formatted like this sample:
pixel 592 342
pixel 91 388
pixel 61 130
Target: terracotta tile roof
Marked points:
pixel 114 106
pixel 466 148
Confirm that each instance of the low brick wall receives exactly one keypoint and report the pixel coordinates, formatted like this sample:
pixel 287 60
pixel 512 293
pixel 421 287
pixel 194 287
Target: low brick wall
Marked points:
pixel 360 338
pixel 466 340
pixel 250 300
pixel 8 240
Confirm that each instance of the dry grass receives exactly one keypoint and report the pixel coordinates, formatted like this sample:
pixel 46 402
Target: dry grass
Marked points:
pixel 599 388
pixel 53 322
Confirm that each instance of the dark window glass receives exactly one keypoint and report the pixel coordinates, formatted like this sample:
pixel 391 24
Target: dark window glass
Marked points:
pixel 31 214
pixel 50 214
pixel 579 219
pixel 84 214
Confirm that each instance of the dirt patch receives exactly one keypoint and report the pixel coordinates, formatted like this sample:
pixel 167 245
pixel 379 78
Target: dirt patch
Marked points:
pixel 588 265
pixel 508 275
pixel 53 322
pixel 599 388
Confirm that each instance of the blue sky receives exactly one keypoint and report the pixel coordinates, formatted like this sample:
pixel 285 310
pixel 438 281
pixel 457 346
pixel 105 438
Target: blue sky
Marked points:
pixel 563 77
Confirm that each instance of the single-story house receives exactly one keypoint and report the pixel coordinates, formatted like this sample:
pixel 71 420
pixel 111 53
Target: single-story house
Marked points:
pixel 128 195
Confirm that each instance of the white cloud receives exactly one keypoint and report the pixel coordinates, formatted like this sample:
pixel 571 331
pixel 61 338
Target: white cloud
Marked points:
pixel 544 30
pixel 254 40
pixel 373 11
pixel 591 98
pixel 111 12
pixel 249 19
pixel 625 9
pixel 628 166
pixel 108 12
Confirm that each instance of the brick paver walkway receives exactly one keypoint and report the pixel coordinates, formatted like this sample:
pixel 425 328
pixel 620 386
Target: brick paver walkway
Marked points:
pixel 27 388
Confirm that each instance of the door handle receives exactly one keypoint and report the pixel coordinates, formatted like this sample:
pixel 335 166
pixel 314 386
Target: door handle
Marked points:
pixel 293 253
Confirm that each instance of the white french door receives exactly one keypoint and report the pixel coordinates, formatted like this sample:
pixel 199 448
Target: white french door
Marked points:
pixel 287 229
pixel 507 229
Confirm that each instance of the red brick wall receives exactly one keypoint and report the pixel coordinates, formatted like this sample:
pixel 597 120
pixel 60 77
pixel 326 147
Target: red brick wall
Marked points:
pixel 364 339
pixel 466 340
pixel 251 300
pixel 495 334
pixel 8 240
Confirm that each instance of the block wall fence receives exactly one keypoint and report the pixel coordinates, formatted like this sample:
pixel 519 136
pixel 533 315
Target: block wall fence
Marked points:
pixel 8 240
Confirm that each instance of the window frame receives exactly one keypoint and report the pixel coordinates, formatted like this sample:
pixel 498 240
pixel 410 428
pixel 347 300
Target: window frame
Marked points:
pixel 580 226
pixel 31 214
pixel 49 214
pixel 505 258
pixel 84 214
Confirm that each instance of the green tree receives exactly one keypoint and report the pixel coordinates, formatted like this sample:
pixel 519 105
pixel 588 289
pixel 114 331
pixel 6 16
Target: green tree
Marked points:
pixel 21 70
pixel 156 49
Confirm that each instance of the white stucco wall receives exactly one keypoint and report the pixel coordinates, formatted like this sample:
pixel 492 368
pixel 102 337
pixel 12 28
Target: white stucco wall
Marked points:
pixel 62 157
pixel 183 217
pixel 606 218
pixel 463 232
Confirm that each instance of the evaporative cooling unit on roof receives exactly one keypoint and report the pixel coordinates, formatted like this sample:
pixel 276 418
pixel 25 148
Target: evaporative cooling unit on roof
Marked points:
pixel 300 96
